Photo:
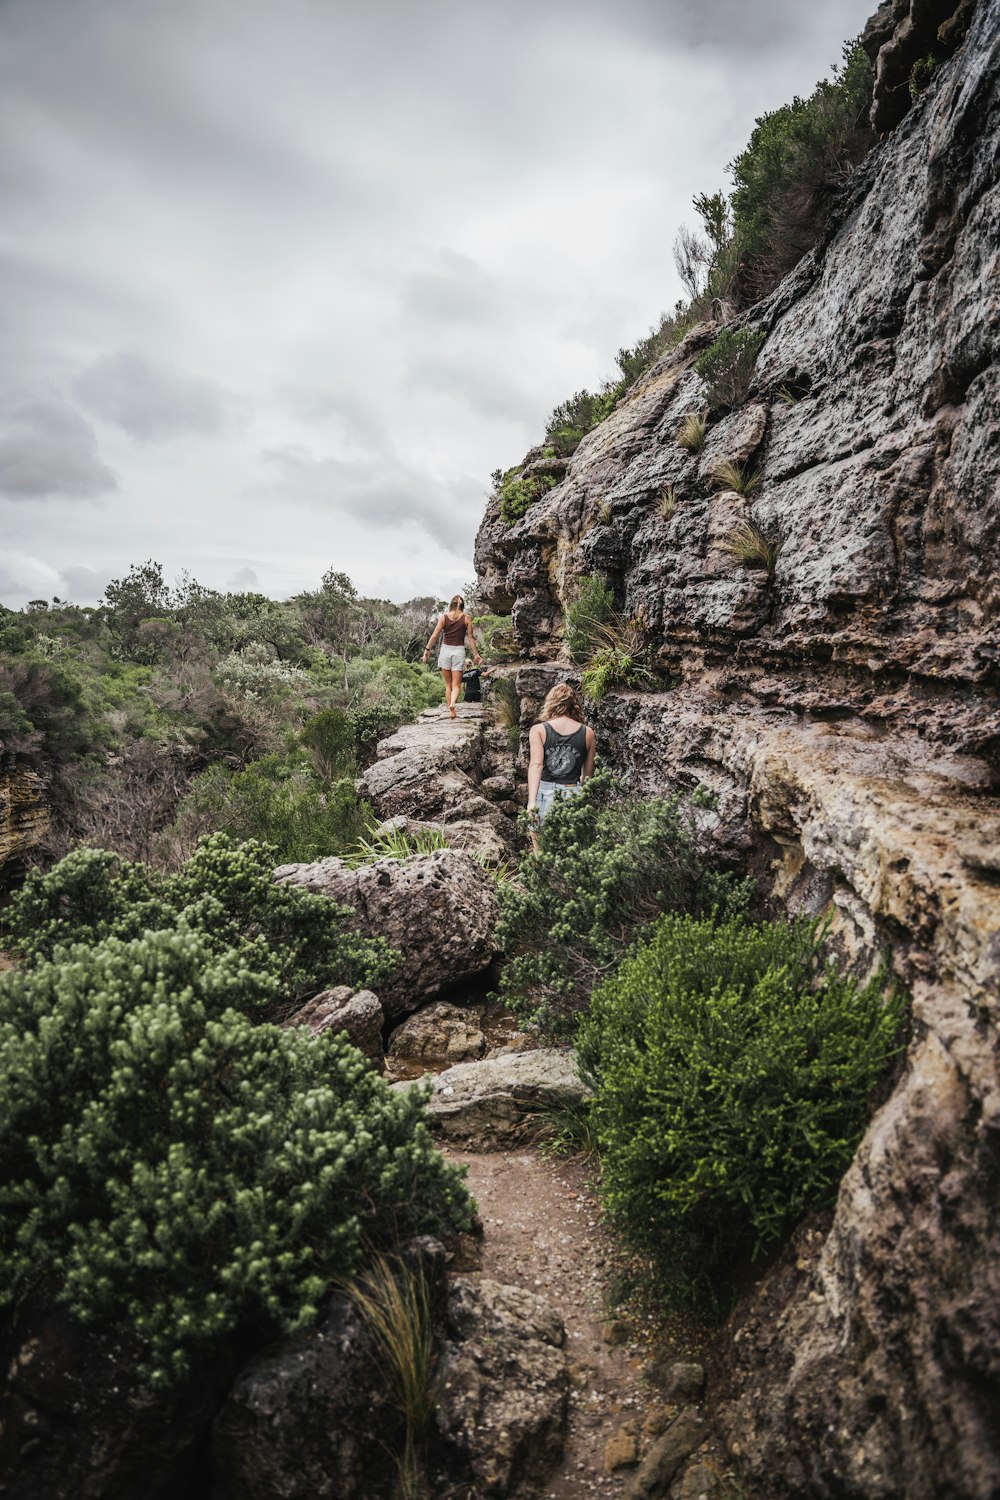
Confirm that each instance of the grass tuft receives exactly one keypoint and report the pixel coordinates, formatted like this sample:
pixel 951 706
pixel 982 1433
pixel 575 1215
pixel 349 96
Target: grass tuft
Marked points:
pixel 739 477
pixel 691 432
pixel 394 843
pixel 752 547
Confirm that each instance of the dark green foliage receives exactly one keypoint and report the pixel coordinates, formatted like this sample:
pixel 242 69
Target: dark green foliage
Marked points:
pixel 608 866
pixel 330 737
pixel 922 73
pixel 732 1068
pixel 282 800
pixel 225 894
pixel 495 634
pixel 727 366
pixel 796 159
pixel 43 707
pixel 166 1162
pixel 593 605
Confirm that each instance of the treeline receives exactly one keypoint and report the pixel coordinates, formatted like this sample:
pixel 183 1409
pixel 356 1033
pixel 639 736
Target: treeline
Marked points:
pixel 173 710
pixel 785 183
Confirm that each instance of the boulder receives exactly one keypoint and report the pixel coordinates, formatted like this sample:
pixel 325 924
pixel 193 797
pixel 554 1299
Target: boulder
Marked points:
pixel 439 910
pixel 663 1462
pixel 499 1101
pixel 501 1418
pixel 439 1033
pixel 310 1418
pixel 77 1420
pixel 359 1013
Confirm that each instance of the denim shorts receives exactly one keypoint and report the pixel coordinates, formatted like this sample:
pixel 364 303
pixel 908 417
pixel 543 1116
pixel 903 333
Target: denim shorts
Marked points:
pixel 549 792
pixel 451 658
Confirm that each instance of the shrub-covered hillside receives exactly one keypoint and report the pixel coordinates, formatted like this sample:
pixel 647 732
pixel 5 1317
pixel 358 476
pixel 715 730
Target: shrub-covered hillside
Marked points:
pixel 170 711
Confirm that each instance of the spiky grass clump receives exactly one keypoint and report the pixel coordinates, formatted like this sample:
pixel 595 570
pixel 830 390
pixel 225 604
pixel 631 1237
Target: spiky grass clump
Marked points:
pixel 668 501
pixel 691 432
pixel 394 843
pixel 621 658
pixel 504 705
pixel 739 477
pixel 753 548
pixel 394 1301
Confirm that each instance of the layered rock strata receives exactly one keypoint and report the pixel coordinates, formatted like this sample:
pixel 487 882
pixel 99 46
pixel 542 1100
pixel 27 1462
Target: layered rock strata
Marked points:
pixel 843 708
pixel 24 816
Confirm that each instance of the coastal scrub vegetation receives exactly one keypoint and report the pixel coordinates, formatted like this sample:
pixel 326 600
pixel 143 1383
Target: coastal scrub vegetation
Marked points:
pixel 171 710
pixel 732 1063
pixel 169 1164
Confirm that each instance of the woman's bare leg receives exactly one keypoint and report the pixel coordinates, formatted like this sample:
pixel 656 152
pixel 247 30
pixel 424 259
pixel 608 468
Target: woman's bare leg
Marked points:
pixel 447 689
pixel 454 690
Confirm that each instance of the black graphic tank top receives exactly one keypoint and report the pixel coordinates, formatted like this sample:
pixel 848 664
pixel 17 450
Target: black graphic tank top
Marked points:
pixel 564 755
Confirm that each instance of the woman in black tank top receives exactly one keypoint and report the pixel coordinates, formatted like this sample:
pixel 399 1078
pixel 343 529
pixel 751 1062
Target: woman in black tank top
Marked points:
pixel 562 752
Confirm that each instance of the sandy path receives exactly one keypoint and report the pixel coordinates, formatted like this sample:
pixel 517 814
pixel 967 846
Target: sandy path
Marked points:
pixel 543 1231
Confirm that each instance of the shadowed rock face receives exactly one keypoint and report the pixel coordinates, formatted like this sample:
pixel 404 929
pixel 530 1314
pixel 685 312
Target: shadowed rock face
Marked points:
pixel 846 716
pixel 24 817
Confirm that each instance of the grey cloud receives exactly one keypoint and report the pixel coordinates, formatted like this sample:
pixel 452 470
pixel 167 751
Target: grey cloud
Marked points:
pixel 479 386
pixel 84 585
pixel 243 581
pixel 48 449
pixel 151 402
pixel 458 291
pixel 381 495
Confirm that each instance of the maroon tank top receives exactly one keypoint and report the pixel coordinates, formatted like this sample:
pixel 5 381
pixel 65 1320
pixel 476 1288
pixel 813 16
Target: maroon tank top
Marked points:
pixel 454 630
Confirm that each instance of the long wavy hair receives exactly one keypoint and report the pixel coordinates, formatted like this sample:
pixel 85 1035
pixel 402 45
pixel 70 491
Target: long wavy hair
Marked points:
pixel 562 701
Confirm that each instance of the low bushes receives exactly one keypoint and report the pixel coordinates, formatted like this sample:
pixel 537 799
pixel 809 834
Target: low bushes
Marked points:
pixel 519 492
pixel 593 605
pixel 732 1066
pixel 166 1162
pixel 607 866
pixel 727 366
pixel 224 894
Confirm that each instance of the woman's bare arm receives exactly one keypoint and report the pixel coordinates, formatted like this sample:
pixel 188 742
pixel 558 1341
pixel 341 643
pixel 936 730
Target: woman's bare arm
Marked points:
pixel 536 739
pixel 437 631
pixel 588 765
pixel 472 638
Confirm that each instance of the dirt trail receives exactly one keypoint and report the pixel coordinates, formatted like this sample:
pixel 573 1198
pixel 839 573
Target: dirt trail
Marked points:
pixel 543 1232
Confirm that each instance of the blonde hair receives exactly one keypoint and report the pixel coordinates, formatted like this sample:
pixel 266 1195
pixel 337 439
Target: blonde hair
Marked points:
pixel 457 603
pixel 562 701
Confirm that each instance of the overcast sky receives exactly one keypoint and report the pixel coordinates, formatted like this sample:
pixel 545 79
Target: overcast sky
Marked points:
pixel 284 280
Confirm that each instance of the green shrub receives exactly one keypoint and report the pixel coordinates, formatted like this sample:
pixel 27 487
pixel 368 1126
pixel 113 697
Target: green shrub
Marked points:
pixel 166 1162
pixel 518 493
pixel 225 894
pixel 727 366
pixel 594 603
pixel 280 800
pixel 796 158
pixel 732 1068
pixel 621 658
pixel 495 634
pixel 608 865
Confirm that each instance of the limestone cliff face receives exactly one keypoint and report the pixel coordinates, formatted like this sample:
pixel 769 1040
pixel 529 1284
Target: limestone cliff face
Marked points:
pixel 847 715
pixel 24 817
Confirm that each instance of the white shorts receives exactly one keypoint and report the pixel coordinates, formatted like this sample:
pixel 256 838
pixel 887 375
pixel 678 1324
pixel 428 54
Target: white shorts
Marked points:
pixel 451 658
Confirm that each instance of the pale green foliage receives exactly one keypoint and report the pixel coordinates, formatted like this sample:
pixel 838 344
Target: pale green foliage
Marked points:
pixel 732 1067
pixel 394 843
pixel 165 1161
pixel 256 672
pixel 668 502
pixel 519 491
pixel 620 658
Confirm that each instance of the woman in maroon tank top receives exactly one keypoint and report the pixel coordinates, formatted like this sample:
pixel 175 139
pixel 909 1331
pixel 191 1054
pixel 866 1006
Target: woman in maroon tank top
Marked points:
pixel 454 625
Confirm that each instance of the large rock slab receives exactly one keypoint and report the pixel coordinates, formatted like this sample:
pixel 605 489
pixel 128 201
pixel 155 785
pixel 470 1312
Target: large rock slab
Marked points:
pixel 502 1100
pixel 504 1388
pixel 439 910
pixel 438 1034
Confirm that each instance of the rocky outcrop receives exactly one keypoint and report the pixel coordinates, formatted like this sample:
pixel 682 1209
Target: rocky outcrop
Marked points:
pixel 503 1100
pixel 439 910
pixel 844 712
pixel 24 815
pixel 440 775
pixel 358 1013
pixel 899 37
